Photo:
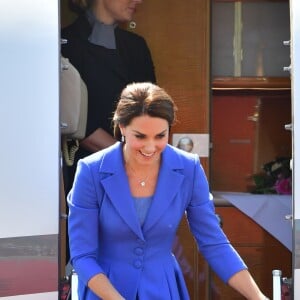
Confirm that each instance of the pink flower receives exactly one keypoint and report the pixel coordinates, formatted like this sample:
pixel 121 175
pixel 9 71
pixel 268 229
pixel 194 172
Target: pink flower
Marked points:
pixel 283 186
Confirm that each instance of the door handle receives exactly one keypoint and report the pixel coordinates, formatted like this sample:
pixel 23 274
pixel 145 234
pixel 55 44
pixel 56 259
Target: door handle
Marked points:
pixel 288 126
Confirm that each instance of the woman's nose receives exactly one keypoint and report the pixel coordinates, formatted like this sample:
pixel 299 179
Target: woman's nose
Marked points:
pixel 149 147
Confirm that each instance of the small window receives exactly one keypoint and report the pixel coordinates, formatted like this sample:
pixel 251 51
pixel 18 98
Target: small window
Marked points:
pixel 247 38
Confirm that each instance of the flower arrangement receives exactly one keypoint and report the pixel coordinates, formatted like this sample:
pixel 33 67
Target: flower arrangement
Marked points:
pixel 275 178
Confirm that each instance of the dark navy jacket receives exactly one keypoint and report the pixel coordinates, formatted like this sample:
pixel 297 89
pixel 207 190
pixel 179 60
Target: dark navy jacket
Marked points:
pixel 105 71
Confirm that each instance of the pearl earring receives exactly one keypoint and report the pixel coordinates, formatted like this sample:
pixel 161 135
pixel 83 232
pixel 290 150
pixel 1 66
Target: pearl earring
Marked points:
pixel 122 138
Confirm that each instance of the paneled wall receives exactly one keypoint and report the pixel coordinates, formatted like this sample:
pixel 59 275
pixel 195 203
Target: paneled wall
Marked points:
pixel 248 131
pixel 178 35
pixel 260 250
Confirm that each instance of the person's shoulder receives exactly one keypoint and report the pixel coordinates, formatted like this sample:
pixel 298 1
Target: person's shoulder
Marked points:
pixel 129 35
pixel 173 153
pixel 96 159
pixel 70 29
pixel 77 29
pixel 76 35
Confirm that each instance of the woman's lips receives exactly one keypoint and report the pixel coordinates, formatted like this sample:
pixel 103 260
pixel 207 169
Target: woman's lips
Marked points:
pixel 148 155
pixel 132 10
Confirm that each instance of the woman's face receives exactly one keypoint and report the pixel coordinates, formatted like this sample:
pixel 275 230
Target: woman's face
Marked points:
pixel 145 139
pixel 112 11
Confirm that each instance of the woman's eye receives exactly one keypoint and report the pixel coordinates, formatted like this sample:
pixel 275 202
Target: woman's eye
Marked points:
pixel 161 136
pixel 140 136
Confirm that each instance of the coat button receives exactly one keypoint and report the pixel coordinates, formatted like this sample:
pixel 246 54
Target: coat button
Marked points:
pixel 139 251
pixel 137 263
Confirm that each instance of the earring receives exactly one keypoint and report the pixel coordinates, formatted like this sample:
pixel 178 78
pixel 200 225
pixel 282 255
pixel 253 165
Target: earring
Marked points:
pixel 122 138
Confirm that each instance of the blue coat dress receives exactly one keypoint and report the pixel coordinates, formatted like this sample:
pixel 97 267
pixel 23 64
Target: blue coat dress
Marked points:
pixel 106 236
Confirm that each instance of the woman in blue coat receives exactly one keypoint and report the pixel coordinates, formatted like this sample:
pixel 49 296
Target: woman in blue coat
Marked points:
pixel 127 202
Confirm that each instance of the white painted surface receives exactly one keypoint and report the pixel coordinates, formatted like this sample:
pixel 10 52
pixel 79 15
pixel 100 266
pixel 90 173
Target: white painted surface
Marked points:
pixel 29 117
pixel 296 284
pixel 200 142
pixel 74 287
pixel 43 296
pixel 295 63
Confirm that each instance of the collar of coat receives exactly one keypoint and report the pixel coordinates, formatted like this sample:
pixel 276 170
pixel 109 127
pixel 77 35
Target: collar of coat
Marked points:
pixel 102 34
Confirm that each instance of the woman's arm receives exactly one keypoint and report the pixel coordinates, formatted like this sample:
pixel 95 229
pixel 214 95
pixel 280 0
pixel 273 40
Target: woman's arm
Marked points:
pixel 213 243
pixel 98 140
pixel 243 283
pixel 84 232
pixel 102 287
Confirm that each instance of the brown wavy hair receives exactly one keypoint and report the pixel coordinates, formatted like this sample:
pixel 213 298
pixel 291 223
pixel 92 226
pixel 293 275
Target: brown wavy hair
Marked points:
pixel 139 99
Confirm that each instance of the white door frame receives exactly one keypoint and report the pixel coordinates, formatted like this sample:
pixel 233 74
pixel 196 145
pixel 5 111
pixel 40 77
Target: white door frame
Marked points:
pixel 295 78
pixel 29 152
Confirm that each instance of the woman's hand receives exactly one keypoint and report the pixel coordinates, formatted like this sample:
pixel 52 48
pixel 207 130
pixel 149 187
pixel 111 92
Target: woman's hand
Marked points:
pixel 102 287
pixel 98 140
pixel 243 283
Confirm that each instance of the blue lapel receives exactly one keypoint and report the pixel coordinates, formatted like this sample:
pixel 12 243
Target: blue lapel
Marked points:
pixel 116 186
pixel 115 183
pixel 168 184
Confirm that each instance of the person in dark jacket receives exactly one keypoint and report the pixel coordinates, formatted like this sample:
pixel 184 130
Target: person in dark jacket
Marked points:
pixel 107 58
